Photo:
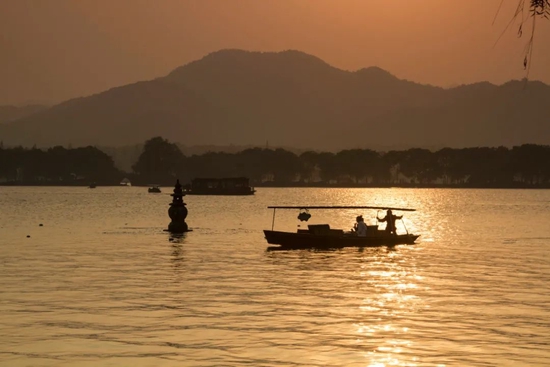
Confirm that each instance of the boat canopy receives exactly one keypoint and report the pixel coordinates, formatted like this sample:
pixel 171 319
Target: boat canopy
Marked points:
pixel 342 207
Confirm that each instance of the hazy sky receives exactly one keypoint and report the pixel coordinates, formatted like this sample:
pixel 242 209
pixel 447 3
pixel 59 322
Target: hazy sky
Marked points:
pixel 54 50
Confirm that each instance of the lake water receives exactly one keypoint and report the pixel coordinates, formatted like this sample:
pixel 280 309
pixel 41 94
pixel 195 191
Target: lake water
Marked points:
pixel 101 283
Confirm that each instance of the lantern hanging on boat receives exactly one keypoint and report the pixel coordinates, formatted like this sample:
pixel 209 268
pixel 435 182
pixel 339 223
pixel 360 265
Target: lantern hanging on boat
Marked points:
pixel 304 215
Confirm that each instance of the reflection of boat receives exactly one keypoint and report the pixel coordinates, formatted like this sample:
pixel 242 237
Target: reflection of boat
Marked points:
pixel 155 189
pixel 220 186
pixel 322 236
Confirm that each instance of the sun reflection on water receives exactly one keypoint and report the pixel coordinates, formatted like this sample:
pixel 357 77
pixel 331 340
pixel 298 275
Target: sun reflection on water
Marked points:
pixel 393 297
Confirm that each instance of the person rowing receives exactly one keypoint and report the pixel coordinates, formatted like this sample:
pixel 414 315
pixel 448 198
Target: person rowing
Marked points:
pixel 390 219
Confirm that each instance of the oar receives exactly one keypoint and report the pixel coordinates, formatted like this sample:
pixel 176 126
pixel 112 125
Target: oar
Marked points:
pixel 402 221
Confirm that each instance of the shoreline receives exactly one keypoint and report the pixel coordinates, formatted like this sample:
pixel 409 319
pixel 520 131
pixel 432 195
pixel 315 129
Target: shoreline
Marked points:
pixel 335 186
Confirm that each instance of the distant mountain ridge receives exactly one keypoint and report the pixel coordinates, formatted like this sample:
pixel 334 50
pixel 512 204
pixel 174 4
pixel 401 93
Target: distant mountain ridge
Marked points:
pixel 12 113
pixel 289 98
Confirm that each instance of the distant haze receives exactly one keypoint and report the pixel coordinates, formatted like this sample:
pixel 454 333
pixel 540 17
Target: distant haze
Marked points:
pixel 56 50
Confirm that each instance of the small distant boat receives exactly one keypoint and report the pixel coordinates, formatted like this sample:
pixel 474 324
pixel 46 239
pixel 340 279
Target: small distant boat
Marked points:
pixel 220 186
pixel 125 182
pixel 322 236
pixel 155 189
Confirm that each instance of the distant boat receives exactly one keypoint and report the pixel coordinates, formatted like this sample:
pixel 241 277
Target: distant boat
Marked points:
pixel 154 189
pixel 220 186
pixel 125 182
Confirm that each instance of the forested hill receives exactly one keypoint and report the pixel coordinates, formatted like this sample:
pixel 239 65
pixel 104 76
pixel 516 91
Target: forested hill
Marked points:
pixel 12 113
pixel 292 99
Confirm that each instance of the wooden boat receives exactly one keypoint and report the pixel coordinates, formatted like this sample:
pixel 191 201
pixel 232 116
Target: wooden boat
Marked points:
pixel 155 189
pixel 220 186
pixel 322 236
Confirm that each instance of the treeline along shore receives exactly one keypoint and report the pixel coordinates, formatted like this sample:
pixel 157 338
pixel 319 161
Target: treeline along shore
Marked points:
pixel 162 162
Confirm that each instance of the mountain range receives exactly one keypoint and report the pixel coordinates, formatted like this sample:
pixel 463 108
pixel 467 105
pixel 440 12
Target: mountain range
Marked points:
pixel 289 98
pixel 12 113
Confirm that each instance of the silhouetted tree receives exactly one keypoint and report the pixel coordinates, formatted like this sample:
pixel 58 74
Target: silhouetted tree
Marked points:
pixel 452 169
pixel 284 165
pixel 309 165
pixel 251 163
pixel 160 162
pixel 350 163
pixel 486 167
pixel 328 168
pixel 92 163
pixel 531 163
pixel 390 167
pixel 419 165
pixel 57 165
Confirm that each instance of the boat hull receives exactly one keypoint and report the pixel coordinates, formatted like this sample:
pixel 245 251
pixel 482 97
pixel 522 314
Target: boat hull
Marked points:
pixel 293 240
pixel 220 186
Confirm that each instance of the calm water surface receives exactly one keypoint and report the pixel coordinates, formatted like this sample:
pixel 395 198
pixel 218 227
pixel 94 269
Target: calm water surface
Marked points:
pixel 101 284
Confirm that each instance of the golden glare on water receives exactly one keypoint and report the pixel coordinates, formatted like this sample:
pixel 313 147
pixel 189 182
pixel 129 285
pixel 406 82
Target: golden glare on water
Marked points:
pixel 389 301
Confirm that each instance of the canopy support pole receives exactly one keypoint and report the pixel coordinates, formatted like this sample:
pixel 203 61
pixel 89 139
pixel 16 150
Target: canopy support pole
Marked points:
pixel 273 221
pixel 341 207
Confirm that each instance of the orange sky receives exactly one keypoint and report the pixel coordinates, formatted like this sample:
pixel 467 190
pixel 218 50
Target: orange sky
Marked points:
pixel 55 50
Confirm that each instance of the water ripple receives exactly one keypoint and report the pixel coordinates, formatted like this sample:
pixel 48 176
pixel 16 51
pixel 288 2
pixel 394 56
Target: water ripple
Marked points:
pixel 110 288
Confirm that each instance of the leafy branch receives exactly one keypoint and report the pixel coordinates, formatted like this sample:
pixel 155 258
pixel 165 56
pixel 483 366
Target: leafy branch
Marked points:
pixel 534 9
pixel 527 9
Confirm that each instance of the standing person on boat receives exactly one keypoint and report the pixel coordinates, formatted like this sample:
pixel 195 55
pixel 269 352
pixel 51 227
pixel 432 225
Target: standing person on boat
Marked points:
pixel 390 220
pixel 360 227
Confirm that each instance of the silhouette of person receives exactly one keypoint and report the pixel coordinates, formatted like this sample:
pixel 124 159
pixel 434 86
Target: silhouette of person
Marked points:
pixel 390 220
pixel 360 227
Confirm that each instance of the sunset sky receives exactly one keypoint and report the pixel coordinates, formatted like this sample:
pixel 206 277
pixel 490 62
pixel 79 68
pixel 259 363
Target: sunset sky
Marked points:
pixel 55 50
